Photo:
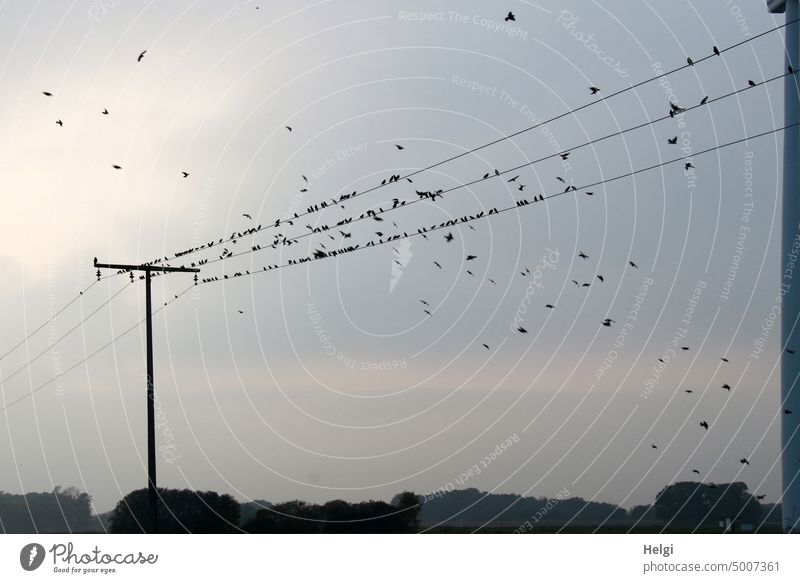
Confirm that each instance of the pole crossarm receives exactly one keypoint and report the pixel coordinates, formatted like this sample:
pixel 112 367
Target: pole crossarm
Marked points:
pixel 145 267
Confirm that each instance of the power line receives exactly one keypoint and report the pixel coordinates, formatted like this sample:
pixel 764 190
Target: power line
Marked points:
pixel 492 212
pixel 364 216
pixel 70 331
pixel 97 351
pixel 357 194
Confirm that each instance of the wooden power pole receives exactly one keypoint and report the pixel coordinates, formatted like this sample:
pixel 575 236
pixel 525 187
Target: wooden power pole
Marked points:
pixel 151 423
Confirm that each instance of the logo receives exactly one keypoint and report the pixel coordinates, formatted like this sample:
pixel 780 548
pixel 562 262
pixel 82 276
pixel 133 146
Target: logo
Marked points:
pixel 31 556
pixel 401 259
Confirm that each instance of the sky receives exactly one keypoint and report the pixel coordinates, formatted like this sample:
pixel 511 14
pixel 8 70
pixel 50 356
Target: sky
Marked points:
pixel 328 379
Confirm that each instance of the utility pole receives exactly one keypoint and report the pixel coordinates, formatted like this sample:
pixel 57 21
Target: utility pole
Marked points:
pixel 790 309
pixel 151 423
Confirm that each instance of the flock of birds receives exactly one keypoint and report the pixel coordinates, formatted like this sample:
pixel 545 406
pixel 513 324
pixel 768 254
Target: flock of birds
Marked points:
pixel 339 230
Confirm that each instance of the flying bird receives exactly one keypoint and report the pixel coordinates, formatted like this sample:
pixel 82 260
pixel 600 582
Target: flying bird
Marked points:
pixel 241 312
pixel 727 387
pixel 789 351
pixel 289 128
pixel 104 112
pixel 399 147
pixel 744 461
pixel 632 264
pixel 60 123
pixel 185 174
pixel 695 471
pixel 723 359
pixel 704 425
pixel 245 215
pixel 608 322
pixel 448 237
pixel 486 346
pixel 471 257
pixel 521 330
pixel 511 17
pixel 594 90
pixel 141 56
pixel 600 277
pixel 583 255
pixel 47 93
pixel 550 306
pixel 688 165
pixel 653 446
pixel 589 193
pixel 673 140
pixel 437 264
pixel 761 496
pixel 116 167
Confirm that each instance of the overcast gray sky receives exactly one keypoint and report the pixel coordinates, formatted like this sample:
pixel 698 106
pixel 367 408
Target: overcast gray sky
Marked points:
pixel 334 383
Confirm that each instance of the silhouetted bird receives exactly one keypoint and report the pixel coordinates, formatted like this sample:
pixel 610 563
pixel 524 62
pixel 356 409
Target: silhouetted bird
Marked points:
pixel 608 322
pixel 789 351
pixel 727 387
pixel 513 179
pixel 425 303
pixel 673 140
pixel 564 156
pixel 561 180
pixel 60 123
pixel 511 17
pixel 471 257
pixel 241 312
pixel 791 70
pixel 695 471
pixel 288 128
pixel 550 306
pixel 689 60
pixel 704 425
pixel 104 112
pixel 245 215
pixel 653 446
pixel 688 391
pixel 141 56
pixel 632 264
pixel 594 90
pixel 521 330
pixel 684 348
pixel 744 461
pixel 589 193
pixel 688 165
pixel 761 496
pixel 787 412
pixel 600 277
pixel 427 312
pixel 723 359
pixel 47 93
pixel 751 83
pixel 448 237
pixel 437 264
pixel 185 174
pixel 521 187
pixel 583 255
pixel 486 346
pixel 716 50
pixel 704 100
pixel 116 167
pixel 399 147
